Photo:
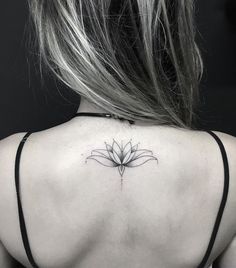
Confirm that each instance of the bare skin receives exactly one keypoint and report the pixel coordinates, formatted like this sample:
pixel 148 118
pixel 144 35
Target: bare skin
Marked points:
pixel 77 215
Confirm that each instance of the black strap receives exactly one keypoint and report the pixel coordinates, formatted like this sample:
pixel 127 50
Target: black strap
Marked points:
pixel 106 115
pixel 223 200
pixel 23 229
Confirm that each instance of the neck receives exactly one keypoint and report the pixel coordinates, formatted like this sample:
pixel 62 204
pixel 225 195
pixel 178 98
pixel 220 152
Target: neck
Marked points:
pixel 88 107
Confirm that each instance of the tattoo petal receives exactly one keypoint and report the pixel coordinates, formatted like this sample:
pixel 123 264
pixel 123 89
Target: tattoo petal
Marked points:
pixel 121 169
pixel 109 148
pixel 131 157
pixel 135 147
pixel 116 157
pixel 140 161
pixel 142 152
pixel 127 158
pixel 110 152
pixel 103 160
pixel 127 148
pixel 116 148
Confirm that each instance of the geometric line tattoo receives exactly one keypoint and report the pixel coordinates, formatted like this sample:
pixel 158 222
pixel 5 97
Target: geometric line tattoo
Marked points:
pixel 121 156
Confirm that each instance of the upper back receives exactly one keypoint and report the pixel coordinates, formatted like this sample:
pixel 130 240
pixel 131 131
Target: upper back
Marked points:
pixel 77 214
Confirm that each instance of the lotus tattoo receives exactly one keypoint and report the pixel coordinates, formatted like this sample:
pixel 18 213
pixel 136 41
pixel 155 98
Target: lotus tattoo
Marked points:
pixel 120 156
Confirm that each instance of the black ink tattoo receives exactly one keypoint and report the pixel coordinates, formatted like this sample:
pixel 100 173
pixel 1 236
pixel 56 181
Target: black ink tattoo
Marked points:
pixel 120 156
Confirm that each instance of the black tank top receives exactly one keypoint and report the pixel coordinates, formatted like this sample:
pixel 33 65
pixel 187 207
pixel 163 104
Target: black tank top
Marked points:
pixel 215 229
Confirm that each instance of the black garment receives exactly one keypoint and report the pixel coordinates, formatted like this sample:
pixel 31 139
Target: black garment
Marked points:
pixel 218 217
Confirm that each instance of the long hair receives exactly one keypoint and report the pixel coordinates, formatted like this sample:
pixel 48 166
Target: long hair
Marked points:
pixel 135 58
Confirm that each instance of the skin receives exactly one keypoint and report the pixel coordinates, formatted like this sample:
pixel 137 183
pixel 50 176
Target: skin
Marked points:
pixel 77 215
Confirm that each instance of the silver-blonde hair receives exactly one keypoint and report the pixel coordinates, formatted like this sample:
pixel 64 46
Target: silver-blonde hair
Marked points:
pixel 135 58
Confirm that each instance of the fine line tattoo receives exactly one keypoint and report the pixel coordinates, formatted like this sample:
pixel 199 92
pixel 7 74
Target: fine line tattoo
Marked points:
pixel 121 156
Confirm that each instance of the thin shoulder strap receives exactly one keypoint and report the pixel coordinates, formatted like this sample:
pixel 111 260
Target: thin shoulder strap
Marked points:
pixel 223 200
pixel 23 229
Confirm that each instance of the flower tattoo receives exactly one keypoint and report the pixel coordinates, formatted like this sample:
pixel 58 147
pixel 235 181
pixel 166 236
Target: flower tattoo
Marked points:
pixel 120 156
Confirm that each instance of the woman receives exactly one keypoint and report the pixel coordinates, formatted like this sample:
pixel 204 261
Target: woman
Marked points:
pixel 128 181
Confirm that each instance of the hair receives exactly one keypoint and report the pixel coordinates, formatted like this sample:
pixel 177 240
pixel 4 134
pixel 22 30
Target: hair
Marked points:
pixel 137 59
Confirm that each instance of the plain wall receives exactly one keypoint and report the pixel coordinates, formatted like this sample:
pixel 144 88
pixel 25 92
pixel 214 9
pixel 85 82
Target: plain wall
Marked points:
pixel 216 21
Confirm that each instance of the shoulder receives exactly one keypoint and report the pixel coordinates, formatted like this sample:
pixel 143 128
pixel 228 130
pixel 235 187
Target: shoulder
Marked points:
pixel 8 149
pixel 9 142
pixel 229 143
pixel 228 140
pixel 210 159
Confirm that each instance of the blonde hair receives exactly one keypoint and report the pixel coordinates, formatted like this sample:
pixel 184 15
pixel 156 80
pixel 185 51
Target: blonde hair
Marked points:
pixel 135 58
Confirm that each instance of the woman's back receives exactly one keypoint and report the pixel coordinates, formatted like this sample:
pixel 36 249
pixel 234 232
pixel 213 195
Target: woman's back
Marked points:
pixel 78 215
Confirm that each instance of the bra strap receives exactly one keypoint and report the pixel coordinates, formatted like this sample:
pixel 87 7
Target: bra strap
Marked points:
pixel 23 229
pixel 223 200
